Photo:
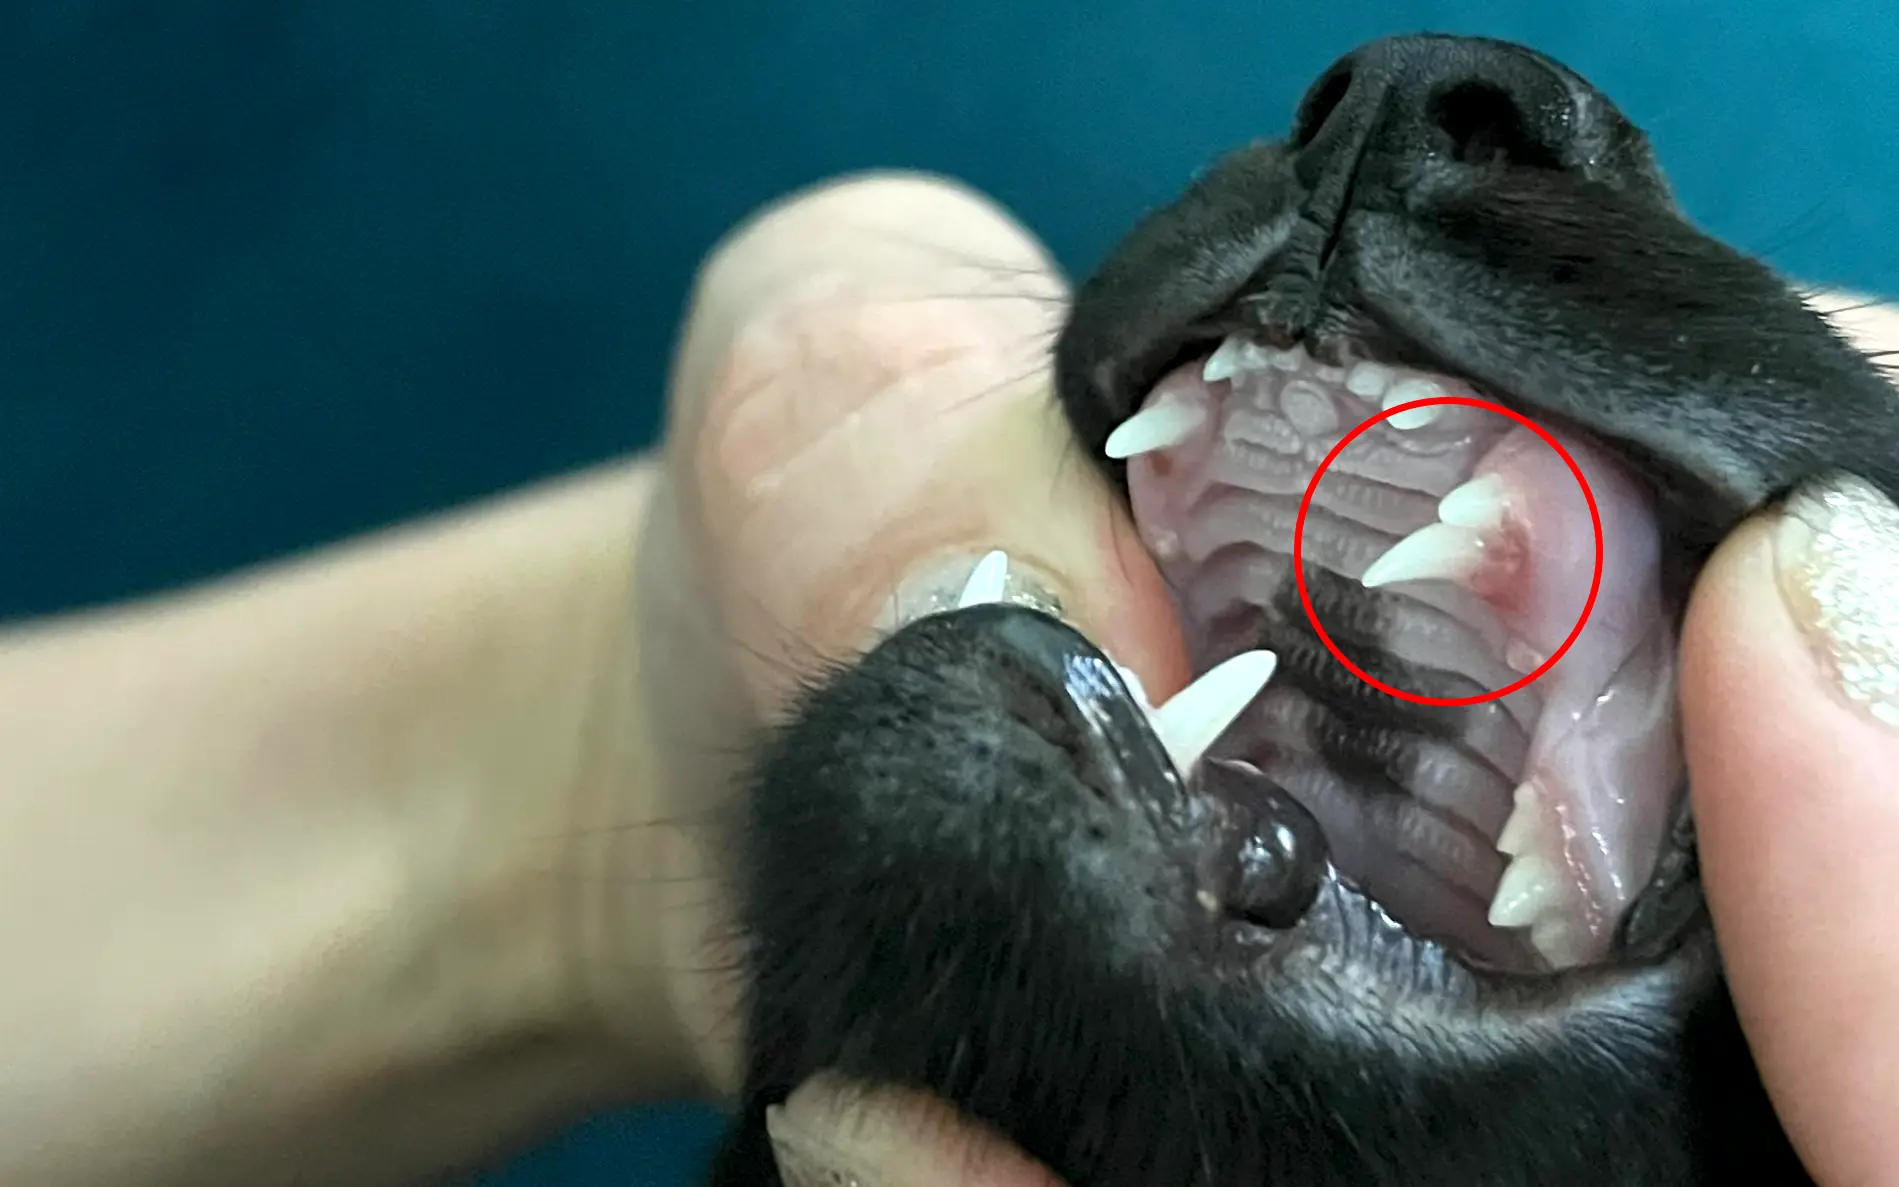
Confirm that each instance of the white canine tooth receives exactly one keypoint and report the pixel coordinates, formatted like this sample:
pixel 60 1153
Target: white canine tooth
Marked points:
pixel 1436 551
pixel 1226 362
pixel 1133 681
pixel 1195 717
pixel 1479 503
pixel 1528 889
pixel 1405 391
pixel 987 581
pixel 1367 380
pixel 1159 426
pixel 1286 360
pixel 1519 831
pixel 1559 940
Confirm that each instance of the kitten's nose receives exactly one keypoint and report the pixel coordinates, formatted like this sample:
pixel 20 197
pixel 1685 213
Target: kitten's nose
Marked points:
pixel 1390 108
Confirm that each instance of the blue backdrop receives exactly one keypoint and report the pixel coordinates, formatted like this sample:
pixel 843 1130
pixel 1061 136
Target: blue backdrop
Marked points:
pixel 274 272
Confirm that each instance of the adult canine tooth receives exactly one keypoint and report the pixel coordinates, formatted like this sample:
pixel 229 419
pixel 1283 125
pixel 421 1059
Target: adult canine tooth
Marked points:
pixel 1479 503
pixel 1529 888
pixel 1405 391
pixel 1159 426
pixel 987 581
pixel 1227 361
pixel 1368 380
pixel 1195 717
pixel 1436 551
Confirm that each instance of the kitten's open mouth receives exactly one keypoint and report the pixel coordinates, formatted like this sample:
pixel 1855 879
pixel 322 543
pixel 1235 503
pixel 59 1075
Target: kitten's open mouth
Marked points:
pixel 1449 552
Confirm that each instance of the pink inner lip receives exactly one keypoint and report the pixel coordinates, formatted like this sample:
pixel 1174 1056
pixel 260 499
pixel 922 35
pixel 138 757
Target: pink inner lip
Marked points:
pixel 1573 774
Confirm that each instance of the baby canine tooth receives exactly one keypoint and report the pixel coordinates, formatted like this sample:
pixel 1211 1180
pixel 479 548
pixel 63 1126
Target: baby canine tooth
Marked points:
pixel 1195 717
pixel 1479 503
pixel 1436 551
pixel 1405 391
pixel 987 581
pixel 1529 888
pixel 1159 426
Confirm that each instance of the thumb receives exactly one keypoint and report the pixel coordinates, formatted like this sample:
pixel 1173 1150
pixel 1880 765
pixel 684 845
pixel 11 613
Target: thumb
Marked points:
pixel 862 409
pixel 830 1132
pixel 1790 702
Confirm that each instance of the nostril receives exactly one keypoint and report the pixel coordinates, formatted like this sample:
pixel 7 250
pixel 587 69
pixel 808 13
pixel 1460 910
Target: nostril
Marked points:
pixel 1320 102
pixel 1486 125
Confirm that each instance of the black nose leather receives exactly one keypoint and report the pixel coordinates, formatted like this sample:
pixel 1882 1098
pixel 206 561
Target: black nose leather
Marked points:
pixel 1375 123
pixel 1395 143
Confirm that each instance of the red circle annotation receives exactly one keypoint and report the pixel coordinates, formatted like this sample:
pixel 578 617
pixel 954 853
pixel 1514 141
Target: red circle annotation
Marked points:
pixel 1305 596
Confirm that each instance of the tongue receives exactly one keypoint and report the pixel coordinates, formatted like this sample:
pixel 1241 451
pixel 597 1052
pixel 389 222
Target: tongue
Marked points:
pixel 1482 529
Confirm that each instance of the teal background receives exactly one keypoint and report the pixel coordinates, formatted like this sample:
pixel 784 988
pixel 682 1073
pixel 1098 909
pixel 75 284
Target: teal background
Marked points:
pixel 272 273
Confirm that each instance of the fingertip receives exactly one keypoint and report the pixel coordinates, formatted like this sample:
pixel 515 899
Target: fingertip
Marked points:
pixel 891 223
pixel 910 262
pixel 831 1131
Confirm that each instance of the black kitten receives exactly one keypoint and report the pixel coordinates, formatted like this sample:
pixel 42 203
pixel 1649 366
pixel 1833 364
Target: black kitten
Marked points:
pixel 971 867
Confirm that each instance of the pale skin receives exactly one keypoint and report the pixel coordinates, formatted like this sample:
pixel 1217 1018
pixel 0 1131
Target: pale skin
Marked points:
pixel 376 862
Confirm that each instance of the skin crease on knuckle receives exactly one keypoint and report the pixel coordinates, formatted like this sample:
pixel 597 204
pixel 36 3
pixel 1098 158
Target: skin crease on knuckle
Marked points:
pixel 965 869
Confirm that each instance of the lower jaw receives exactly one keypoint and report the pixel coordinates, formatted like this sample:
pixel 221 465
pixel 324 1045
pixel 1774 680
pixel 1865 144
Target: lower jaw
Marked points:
pixel 1436 871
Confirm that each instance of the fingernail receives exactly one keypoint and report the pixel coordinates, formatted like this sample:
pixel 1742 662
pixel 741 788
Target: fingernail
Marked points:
pixel 1837 552
pixel 806 1159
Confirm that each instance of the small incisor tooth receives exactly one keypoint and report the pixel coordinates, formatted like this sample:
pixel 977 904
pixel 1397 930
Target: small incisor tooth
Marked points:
pixel 1193 719
pixel 1159 426
pixel 1286 360
pixel 1404 392
pixel 1435 552
pixel 1368 380
pixel 1528 889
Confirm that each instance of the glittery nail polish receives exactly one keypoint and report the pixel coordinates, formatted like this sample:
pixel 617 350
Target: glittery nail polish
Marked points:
pixel 1837 551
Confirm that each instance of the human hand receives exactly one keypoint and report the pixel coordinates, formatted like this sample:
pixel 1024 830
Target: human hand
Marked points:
pixel 1790 701
pixel 861 405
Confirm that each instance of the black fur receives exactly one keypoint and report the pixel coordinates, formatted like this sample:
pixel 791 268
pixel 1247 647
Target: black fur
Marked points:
pixel 968 867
